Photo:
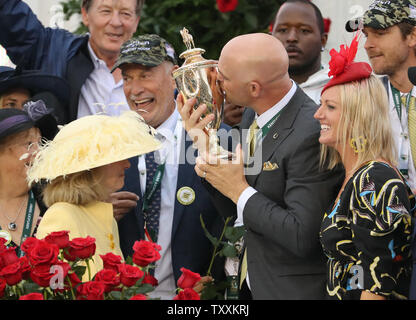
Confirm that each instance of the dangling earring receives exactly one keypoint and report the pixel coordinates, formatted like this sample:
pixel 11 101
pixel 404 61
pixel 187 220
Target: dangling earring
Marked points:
pixel 322 49
pixel 358 144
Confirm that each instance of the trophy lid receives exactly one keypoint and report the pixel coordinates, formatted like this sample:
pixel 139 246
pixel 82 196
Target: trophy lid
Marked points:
pixel 192 54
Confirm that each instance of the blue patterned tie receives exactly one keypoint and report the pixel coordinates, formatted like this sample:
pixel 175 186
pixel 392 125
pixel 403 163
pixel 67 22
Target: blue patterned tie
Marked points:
pixel 153 211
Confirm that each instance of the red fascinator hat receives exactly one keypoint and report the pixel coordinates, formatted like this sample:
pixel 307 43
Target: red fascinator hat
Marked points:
pixel 343 68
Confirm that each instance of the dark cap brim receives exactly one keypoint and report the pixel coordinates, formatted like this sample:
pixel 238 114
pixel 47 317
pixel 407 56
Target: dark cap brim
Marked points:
pixel 354 25
pixel 136 61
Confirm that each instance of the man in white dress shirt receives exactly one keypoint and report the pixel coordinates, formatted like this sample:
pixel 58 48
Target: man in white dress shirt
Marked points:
pixel 147 63
pixel 85 61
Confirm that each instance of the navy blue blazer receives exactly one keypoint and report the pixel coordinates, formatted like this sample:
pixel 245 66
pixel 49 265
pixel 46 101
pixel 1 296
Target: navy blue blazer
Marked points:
pixel 189 245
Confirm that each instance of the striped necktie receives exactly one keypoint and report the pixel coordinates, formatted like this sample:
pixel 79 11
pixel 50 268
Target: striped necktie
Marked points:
pixel 253 135
pixel 411 122
pixel 153 212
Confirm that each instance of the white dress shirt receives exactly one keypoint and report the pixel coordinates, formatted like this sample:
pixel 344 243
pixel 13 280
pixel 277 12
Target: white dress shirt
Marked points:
pixel 171 129
pixel 401 138
pixel 262 120
pixel 100 93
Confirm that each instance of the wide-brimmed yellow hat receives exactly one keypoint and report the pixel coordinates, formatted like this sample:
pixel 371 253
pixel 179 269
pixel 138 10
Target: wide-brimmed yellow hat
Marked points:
pixel 91 142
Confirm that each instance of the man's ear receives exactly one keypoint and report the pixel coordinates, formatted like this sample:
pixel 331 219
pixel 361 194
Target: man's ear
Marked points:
pixel 412 38
pixel 254 89
pixel 84 15
pixel 324 39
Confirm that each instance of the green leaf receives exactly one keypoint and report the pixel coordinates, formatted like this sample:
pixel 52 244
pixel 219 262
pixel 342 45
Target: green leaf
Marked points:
pixel 79 270
pixel 233 234
pixel 229 251
pixel 129 260
pixel 116 295
pixel 144 288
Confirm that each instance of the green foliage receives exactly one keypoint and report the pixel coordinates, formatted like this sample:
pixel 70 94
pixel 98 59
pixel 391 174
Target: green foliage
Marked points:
pixel 210 28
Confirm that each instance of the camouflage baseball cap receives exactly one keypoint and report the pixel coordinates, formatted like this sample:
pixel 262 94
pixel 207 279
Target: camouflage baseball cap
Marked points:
pixel 148 50
pixel 383 14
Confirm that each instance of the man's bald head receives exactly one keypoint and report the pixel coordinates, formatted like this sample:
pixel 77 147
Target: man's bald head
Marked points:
pixel 253 61
pixel 259 56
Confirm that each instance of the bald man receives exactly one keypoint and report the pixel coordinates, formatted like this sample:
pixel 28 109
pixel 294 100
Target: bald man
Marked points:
pixel 282 204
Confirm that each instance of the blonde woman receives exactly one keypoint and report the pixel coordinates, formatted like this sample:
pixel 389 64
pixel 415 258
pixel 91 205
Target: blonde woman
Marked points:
pixel 366 234
pixel 83 165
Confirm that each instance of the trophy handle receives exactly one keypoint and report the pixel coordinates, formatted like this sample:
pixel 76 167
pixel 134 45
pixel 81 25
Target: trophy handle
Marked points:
pixel 189 93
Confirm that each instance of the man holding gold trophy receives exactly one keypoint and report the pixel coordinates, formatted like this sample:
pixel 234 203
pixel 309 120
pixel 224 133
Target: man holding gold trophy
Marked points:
pixel 273 183
pixel 166 209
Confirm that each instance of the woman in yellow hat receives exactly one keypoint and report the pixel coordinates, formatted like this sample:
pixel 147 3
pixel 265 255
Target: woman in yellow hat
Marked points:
pixel 83 165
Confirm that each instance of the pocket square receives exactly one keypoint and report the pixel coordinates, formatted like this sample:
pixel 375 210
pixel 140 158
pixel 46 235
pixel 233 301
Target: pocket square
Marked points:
pixel 268 166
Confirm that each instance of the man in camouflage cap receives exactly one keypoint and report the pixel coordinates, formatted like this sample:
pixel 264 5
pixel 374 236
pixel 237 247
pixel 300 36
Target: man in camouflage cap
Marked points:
pixel 383 14
pixel 146 64
pixel 389 26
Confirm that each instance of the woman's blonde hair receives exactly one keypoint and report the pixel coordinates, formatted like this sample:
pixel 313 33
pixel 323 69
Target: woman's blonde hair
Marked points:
pixel 77 188
pixel 365 122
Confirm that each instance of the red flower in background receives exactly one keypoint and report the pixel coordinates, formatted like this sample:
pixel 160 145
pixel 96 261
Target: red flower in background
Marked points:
pixel 227 5
pixel 327 25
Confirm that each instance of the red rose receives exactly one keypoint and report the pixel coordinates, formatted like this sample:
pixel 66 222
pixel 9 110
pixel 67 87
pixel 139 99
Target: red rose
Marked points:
pixel 28 244
pixel 91 290
pixel 32 296
pixel 148 278
pixel 2 287
pixel 43 253
pixel 25 266
pixel 82 248
pixel 8 256
pixel 188 279
pixel 129 275
pixel 227 5
pixel 145 252
pixel 12 273
pixel 41 275
pixel 187 294
pixel 111 261
pixel 2 243
pixel 109 277
pixel 139 297
pixel 60 238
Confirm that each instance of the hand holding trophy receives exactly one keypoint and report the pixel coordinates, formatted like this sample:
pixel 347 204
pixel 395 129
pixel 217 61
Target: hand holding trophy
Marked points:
pixel 197 78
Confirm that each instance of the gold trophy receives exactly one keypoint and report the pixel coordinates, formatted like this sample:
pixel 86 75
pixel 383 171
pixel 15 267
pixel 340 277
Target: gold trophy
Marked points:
pixel 197 78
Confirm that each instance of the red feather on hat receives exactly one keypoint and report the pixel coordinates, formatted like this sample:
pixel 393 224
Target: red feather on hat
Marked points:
pixel 343 68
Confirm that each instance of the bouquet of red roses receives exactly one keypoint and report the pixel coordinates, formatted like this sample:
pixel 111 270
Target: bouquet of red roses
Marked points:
pixel 52 269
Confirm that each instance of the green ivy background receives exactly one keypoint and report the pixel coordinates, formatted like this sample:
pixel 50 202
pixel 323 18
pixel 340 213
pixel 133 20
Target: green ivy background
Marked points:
pixel 210 28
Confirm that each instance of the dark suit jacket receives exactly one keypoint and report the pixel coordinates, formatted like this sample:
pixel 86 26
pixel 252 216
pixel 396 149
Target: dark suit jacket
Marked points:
pixel 190 247
pixel 285 258
pixel 58 52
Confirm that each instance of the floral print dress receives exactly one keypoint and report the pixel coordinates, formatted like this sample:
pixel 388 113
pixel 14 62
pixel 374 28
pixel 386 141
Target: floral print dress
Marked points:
pixel 367 235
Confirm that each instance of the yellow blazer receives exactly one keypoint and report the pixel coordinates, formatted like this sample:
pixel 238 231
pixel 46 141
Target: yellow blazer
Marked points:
pixel 94 219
